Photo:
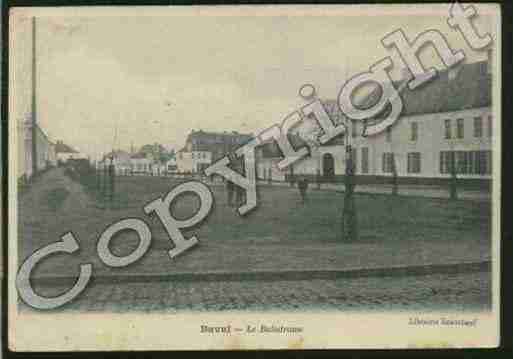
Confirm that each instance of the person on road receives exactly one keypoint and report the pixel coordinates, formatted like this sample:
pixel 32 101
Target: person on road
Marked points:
pixel 229 191
pixel 302 186
pixel 240 200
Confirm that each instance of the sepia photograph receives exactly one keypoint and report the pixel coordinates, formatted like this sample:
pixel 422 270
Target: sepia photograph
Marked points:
pixel 254 177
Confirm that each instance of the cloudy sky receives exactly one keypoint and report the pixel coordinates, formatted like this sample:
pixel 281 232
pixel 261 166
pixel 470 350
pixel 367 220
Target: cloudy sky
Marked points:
pixel 155 78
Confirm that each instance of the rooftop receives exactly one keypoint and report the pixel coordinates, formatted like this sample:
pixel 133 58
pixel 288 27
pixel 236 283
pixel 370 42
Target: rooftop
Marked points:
pixel 61 147
pixel 138 156
pixel 471 87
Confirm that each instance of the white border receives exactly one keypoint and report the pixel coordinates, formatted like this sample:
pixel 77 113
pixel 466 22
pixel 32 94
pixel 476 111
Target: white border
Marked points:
pixel 181 331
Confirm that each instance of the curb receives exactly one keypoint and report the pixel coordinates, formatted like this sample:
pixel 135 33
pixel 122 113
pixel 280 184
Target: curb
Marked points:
pixel 401 271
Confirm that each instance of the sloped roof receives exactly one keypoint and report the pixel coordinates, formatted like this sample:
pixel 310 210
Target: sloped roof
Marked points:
pixel 215 141
pixel 138 156
pixel 471 88
pixel 61 147
pixel 116 154
pixel 219 136
pixel 270 148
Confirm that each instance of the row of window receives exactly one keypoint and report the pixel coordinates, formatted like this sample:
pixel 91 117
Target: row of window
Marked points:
pixel 460 128
pixel 466 162
pixel 412 163
pixel 200 155
pixel 414 132
pixel 388 163
pixel 141 167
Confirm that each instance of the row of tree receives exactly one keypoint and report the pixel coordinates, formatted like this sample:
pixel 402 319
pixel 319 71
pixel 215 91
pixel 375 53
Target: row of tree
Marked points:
pixel 158 152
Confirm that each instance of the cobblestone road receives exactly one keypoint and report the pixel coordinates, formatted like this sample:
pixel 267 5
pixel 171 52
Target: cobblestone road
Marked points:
pixel 448 292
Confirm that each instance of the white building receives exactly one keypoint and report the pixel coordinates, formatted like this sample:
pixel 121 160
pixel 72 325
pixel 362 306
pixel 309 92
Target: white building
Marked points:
pixel 141 164
pixel 171 166
pixel 326 161
pixel 121 161
pixel 193 162
pixel 45 156
pixel 159 168
pixel 202 148
pixel 449 116
pixel 65 152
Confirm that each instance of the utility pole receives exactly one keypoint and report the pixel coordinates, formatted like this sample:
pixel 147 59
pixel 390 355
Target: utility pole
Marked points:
pixel 33 127
pixel 112 174
pixel 349 217
pixel 394 176
pixel 394 164
pixel 453 190
pixel 98 176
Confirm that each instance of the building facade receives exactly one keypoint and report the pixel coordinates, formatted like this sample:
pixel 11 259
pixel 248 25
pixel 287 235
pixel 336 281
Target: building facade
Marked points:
pixel 193 161
pixel 121 161
pixel 141 164
pixel 203 148
pixel 171 166
pixel 65 152
pixel 444 122
pixel 45 150
pixel 447 121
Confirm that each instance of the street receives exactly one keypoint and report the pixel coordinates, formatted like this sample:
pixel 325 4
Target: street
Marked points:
pixel 416 293
pixel 282 235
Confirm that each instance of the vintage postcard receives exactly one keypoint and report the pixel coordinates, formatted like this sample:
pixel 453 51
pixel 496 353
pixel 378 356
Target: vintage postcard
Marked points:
pixel 254 177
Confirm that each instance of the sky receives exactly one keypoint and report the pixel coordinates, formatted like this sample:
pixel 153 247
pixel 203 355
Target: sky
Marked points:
pixel 110 79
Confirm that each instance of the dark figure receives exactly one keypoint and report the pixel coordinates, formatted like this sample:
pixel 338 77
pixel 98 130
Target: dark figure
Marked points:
pixel 240 196
pixel 105 181
pixel 112 175
pixel 229 190
pixel 453 190
pixel 303 186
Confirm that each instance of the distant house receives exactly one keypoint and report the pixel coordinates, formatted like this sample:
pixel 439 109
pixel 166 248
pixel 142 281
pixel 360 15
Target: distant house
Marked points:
pixel 268 156
pixel 193 161
pixel 28 145
pixel 141 164
pixel 52 155
pixel 171 166
pixel 203 148
pixel 325 160
pixel 64 152
pixel 121 161
pixel 159 167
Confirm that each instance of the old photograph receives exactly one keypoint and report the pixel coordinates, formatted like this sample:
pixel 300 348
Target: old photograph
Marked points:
pixel 254 177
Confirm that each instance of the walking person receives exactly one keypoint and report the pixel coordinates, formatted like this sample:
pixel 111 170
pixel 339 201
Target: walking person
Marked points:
pixel 303 186
pixel 229 190
pixel 240 200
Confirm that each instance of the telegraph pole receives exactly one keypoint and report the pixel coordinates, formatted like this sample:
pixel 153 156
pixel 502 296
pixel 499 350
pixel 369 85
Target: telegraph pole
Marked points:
pixel 33 127
pixel 453 191
pixel 349 218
